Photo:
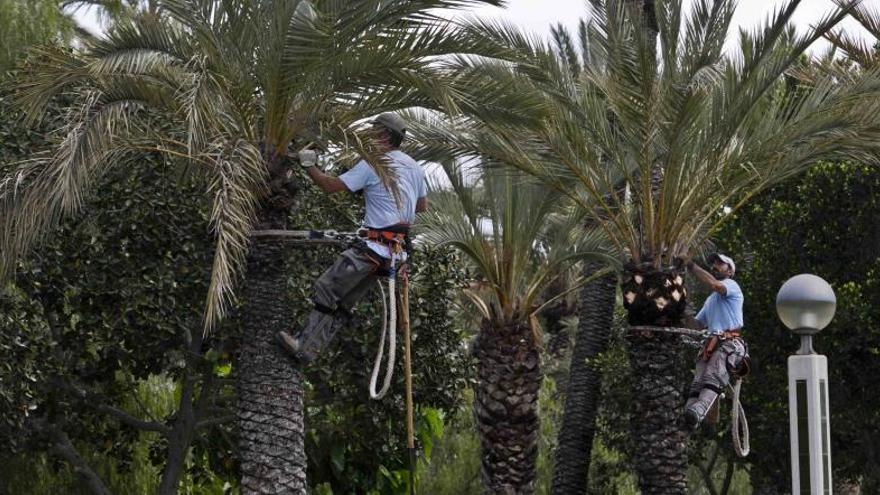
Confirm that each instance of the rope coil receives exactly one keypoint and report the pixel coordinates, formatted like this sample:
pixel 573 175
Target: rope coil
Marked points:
pixel 739 427
pixel 389 312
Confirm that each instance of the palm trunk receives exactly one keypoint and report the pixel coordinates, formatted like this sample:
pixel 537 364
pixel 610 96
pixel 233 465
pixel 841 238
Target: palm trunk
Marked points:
pixel 575 438
pixel 506 407
pixel 270 393
pixel 660 443
pixel 657 298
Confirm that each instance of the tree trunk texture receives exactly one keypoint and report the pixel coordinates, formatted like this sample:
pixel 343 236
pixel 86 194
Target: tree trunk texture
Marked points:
pixel 556 335
pixel 660 456
pixel 506 407
pixel 658 298
pixel 575 438
pixel 270 394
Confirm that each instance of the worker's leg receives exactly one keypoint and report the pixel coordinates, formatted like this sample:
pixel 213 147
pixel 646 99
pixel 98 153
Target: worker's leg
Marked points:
pixel 352 272
pixel 716 377
pixel 697 383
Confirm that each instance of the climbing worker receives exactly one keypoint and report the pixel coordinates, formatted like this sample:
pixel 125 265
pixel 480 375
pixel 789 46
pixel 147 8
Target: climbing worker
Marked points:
pixel 724 353
pixel 386 227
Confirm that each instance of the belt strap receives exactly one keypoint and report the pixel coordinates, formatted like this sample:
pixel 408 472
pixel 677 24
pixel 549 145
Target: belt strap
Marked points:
pixel 731 334
pixel 385 236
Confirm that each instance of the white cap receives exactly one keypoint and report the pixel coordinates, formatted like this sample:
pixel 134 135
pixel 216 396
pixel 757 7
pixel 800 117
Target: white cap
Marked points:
pixel 724 259
pixel 392 122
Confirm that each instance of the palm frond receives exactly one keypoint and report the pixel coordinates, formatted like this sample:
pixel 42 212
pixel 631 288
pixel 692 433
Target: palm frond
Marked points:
pixel 212 83
pixel 239 181
pixel 687 129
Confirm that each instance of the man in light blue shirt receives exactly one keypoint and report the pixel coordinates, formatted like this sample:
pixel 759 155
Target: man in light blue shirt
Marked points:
pixel 386 223
pixel 724 351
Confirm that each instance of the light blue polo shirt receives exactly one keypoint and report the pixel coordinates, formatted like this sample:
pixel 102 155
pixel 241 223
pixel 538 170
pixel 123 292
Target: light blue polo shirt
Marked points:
pixel 381 209
pixel 725 312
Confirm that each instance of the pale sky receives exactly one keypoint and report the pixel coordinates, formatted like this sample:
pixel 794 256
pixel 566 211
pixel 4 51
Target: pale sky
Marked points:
pixel 538 15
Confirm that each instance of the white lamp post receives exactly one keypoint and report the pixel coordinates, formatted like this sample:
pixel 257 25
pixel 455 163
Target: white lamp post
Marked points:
pixel 806 304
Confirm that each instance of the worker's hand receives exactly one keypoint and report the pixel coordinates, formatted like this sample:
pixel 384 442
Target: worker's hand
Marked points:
pixel 684 261
pixel 308 158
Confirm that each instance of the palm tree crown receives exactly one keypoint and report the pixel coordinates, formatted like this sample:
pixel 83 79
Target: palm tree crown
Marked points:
pixel 226 86
pixel 688 130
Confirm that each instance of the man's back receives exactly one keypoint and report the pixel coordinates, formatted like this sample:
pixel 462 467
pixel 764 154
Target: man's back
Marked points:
pixel 382 209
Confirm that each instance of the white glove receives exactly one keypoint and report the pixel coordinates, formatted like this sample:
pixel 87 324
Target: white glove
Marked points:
pixel 308 158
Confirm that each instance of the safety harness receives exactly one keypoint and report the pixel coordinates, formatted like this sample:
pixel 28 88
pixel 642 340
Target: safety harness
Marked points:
pixel 711 344
pixel 395 238
pixel 739 426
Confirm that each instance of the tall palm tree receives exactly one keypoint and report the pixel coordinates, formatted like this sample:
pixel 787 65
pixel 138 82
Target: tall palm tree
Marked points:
pixel 692 132
pixel 500 224
pixel 226 86
pixel 596 304
pixel 575 438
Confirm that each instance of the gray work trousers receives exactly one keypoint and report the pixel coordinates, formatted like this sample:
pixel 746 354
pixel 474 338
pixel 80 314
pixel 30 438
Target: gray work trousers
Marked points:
pixel 338 289
pixel 710 377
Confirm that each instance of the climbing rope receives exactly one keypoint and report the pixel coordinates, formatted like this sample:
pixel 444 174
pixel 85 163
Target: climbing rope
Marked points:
pixel 389 312
pixel 739 427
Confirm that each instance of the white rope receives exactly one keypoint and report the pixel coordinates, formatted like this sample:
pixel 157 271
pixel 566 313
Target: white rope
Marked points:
pixel 392 340
pixel 738 421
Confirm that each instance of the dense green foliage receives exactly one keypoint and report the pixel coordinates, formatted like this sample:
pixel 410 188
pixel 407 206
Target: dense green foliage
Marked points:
pixel 110 300
pixel 824 223
pixel 24 23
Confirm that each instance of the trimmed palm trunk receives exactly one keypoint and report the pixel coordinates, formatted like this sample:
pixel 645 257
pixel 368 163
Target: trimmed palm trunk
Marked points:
pixel 506 407
pixel 270 394
pixel 575 438
pixel 657 298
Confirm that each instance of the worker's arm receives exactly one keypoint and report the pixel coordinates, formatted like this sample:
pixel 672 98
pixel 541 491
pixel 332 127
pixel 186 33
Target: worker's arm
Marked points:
pixel 308 159
pixel 422 205
pixel 707 279
pixel 326 183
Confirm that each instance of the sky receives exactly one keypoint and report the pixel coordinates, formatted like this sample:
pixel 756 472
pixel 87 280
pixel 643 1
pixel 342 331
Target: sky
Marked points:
pixel 537 16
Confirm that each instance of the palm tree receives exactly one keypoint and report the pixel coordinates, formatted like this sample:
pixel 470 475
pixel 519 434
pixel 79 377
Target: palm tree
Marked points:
pixel 595 319
pixel 691 132
pixel 500 224
pixel 226 86
pixel 575 437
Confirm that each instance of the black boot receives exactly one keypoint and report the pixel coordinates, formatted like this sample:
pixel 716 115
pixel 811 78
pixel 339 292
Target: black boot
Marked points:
pixel 294 347
pixel 319 331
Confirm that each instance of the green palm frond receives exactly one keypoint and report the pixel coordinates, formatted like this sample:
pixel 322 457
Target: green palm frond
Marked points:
pixel 226 87
pixel 514 230
pixel 863 51
pixel 687 129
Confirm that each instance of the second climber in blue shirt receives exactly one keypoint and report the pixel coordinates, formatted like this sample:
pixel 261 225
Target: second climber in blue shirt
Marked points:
pixel 724 353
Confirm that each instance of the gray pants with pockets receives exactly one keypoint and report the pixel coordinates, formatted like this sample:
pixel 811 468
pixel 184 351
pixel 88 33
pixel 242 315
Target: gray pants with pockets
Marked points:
pixel 710 377
pixel 336 291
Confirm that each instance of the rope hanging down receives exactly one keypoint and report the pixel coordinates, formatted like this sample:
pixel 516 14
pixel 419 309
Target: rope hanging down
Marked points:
pixel 389 309
pixel 739 427
pixel 392 339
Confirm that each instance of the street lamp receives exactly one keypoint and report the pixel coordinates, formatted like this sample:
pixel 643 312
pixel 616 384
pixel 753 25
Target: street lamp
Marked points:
pixel 806 304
